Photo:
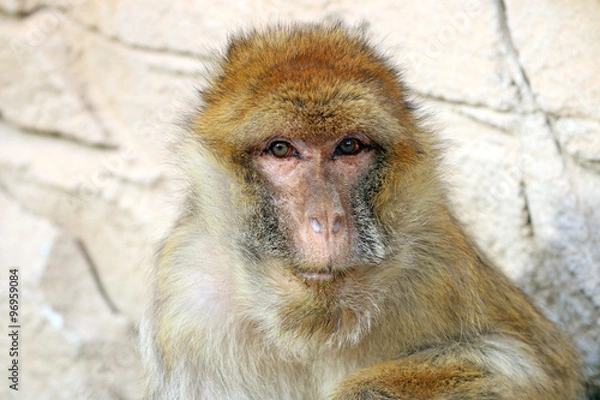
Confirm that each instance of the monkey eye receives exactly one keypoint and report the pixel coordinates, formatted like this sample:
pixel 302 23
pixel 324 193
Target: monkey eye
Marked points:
pixel 348 147
pixel 280 149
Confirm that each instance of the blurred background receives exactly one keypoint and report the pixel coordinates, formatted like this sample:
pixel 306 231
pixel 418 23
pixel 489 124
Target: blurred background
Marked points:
pixel 90 94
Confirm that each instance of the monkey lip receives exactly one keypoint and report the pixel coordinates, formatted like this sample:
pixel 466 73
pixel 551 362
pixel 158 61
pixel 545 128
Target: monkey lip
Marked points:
pixel 314 276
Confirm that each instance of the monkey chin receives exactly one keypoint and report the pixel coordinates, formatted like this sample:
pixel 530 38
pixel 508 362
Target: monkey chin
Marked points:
pixel 305 309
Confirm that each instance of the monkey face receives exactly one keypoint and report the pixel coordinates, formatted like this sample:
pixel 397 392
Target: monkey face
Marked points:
pixel 315 237
pixel 318 191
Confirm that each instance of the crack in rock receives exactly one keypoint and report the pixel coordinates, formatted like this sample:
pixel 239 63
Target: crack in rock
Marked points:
pixel 512 58
pixel 96 276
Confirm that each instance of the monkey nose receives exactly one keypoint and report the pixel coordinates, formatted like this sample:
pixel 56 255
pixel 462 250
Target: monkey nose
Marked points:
pixel 337 224
pixel 317 225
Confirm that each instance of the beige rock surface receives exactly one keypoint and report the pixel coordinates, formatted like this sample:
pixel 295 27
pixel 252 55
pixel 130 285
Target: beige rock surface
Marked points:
pixel 90 93
pixel 73 342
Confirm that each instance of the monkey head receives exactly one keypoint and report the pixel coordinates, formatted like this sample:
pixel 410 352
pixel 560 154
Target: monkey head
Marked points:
pixel 320 142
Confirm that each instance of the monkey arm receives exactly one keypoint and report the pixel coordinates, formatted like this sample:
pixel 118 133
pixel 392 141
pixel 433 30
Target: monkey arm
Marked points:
pixel 493 367
pixel 397 380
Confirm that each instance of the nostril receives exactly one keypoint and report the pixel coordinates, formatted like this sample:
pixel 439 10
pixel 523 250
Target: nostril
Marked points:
pixel 337 225
pixel 316 225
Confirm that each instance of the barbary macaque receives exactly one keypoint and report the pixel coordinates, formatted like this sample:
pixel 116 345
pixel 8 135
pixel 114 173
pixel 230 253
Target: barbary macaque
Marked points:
pixel 317 256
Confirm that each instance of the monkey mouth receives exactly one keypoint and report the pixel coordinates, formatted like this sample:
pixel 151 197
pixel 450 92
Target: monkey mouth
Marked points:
pixel 324 275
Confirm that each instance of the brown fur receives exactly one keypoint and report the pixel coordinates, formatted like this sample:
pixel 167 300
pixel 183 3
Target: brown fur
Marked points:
pixel 424 316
